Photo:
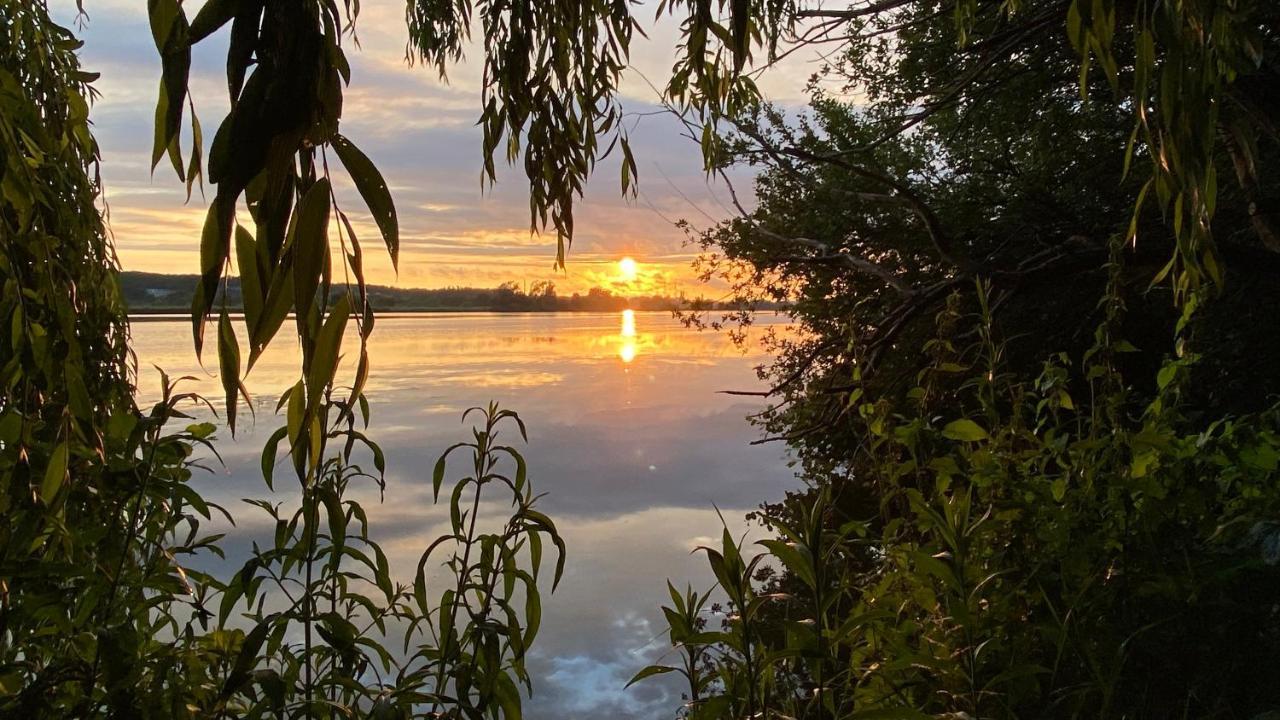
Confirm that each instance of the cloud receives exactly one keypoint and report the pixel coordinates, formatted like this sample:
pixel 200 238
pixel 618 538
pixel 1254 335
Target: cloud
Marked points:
pixel 421 133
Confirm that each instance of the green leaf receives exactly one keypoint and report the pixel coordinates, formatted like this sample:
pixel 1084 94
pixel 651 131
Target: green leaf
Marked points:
pixel 797 562
pixel 328 347
pixel 649 671
pixel 170 31
pixel 211 17
pixel 194 171
pixel 508 697
pixel 373 189
pixel 1059 489
pixel 532 613
pixel 1065 401
pixel 269 451
pixel 250 279
pixel 55 473
pixel 164 143
pixel 964 429
pixel 309 241
pixel 244 39
pixel 296 414
pixel 229 366
pixel 247 657
pixel 437 476
pixel 214 247
pixel 275 310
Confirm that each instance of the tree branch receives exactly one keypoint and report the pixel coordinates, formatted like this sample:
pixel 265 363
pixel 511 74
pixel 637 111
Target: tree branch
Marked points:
pixel 852 13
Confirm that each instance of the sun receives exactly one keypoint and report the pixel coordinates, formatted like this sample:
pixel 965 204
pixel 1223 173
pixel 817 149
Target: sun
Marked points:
pixel 627 269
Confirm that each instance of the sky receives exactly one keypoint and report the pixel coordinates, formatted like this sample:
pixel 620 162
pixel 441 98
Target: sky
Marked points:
pixel 421 133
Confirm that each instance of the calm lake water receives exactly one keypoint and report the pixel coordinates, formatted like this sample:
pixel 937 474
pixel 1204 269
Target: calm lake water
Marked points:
pixel 627 434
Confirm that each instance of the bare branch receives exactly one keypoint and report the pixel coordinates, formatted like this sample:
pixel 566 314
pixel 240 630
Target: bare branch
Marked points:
pixel 830 254
pixel 937 234
pixel 852 13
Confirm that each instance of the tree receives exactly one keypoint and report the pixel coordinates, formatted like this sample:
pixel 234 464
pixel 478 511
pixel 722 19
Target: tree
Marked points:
pixel 870 214
pixel 998 475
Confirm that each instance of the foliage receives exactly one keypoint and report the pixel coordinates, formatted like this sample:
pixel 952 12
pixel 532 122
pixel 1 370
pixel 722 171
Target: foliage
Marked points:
pixel 100 613
pixel 98 512
pixel 1178 76
pixel 1186 59
pixel 1025 553
pixel 1006 530
pixel 977 160
pixel 323 609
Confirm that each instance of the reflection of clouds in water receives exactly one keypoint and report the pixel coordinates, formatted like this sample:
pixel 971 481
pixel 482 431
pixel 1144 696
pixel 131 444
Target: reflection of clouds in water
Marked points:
pixel 587 685
pixel 584 685
pixel 508 379
pixel 632 457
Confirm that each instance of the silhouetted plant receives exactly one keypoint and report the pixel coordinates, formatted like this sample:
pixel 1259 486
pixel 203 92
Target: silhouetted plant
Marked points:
pixel 323 607
pixel 97 614
pixel 1020 557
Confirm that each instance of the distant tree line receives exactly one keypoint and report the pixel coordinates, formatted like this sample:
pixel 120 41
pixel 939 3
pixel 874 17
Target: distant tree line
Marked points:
pixel 152 292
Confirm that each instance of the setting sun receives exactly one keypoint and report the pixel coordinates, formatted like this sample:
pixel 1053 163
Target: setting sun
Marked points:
pixel 627 269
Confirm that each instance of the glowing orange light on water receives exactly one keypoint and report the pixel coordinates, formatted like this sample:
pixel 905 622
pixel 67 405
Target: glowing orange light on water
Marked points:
pixel 627 351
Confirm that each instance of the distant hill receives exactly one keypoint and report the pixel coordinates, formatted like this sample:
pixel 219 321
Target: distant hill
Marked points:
pixel 155 292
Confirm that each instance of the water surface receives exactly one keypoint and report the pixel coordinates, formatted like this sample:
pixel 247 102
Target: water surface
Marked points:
pixel 627 433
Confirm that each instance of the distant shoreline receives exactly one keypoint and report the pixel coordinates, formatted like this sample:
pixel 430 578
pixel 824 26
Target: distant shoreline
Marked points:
pixel 152 294
pixel 184 314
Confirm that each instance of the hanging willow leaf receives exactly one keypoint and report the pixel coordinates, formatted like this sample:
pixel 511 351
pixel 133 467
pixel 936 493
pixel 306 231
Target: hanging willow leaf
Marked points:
pixel 373 189
pixel 251 290
pixel 165 143
pixel 213 257
pixel 244 40
pixel 229 365
pixel 169 29
pixel 194 169
pixel 212 16
pixel 275 309
pixel 309 244
pixel 740 22
pixel 328 348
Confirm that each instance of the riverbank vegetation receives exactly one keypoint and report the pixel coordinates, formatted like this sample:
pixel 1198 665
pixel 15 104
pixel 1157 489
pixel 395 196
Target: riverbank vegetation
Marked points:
pixel 1036 403
pixel 1033 407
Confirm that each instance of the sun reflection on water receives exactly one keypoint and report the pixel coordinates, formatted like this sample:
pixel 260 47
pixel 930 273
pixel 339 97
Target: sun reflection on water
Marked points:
pixel 480 352
pixel 627 351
